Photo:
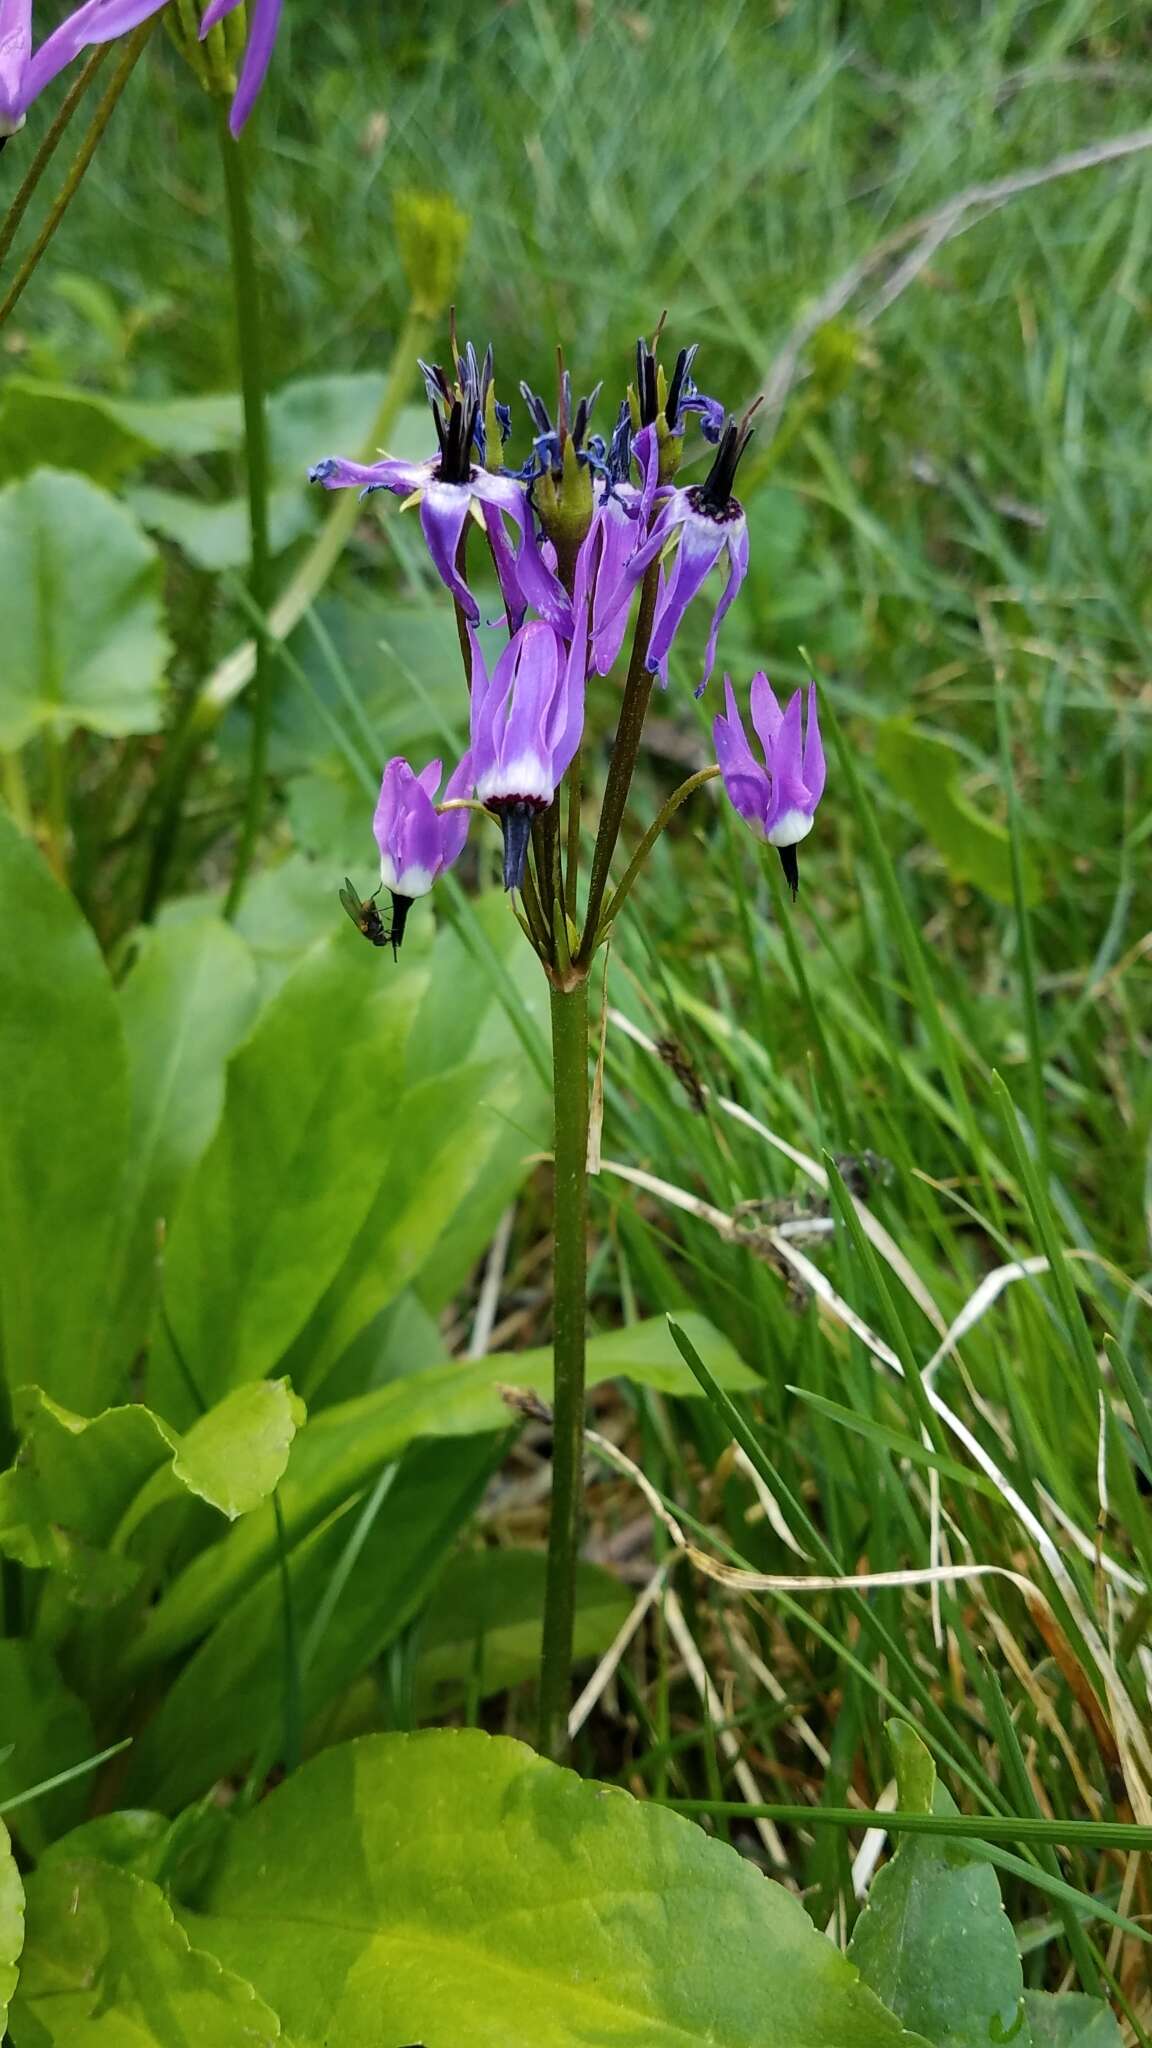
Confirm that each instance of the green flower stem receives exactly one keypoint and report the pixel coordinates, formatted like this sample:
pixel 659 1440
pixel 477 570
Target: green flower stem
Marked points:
pixel 570 1285
pixel 125 65
pixel 662 819
pixel 15 789
pixel 237 669
pixel 246 295
pixel 47 147
pixel 637 690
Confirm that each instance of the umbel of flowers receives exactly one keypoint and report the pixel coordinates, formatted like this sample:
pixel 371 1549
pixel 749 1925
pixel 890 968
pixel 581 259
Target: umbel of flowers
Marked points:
pixel 588 533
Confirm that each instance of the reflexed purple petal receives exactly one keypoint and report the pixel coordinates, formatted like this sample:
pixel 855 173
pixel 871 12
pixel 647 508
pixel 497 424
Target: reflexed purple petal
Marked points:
pixel 538 586
pixel 214 13
pixel 15 50
pixel 505 560
pixel 570 730
pixel 444 509
pixel 395 780
pixel 337 474
pixel 489 697
pixel 789 795
pixel 429 778
pixel 646 449
pixel 767 716
pixel 98 21
pixel 673 513
pixel 814 767
pixel 525 743
pixel 611 543
pixel 264 21
pixel 418 836
pixel 701 544
pixel 737 538
pixel 454 824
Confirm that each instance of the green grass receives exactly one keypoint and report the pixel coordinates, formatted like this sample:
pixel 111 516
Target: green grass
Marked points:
pixel 955 522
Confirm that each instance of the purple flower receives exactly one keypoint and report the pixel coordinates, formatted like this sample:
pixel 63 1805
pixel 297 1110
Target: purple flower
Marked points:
pixel 263 22
pixel 619 527
pixel 452 487
pixel 681 395
pixel 24 76
pixel 778 800
pixel 702 523
pixel 527 722
pixel 417 842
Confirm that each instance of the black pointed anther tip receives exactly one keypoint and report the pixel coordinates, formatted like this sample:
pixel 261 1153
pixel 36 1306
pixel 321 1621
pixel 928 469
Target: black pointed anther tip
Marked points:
pixel 791 867
pixel 516 825
pixel 401 905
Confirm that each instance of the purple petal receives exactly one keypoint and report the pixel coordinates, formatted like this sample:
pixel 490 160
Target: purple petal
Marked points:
pixel 673 513
pixel 814 767
pixel 15 50
pixel 646 450
pixel 396 778
pixel 570 726
pixel 264 22
pixel 748 787
pixel 214 13
pixel 336 474
pixel 429 778
pixel 701 543
pixel 505 560
pixel 737 540
pixel 444 509
pixel 538 586
pixel 767 716
pixel 527 741
pixel 788 791
pixel 454 824
pixel 98 21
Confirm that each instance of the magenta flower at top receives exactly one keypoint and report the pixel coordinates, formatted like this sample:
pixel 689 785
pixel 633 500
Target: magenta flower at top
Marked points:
pixel 701 524
pixel 453 487
pixel 264 20
pixel 527 722
pixel 417 842
pixel 777 800
pixel 23 76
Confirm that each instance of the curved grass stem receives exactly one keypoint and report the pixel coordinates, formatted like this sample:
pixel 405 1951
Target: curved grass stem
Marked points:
pixel 659 823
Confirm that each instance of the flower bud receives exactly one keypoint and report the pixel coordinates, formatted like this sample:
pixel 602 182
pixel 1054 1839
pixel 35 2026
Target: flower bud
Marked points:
pixel 431 235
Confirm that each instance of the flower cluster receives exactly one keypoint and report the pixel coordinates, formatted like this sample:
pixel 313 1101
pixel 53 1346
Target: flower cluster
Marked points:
pixel 574 533
pixel 24 73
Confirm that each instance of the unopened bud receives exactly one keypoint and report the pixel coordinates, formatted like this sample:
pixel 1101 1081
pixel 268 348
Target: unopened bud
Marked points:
pixel 431 234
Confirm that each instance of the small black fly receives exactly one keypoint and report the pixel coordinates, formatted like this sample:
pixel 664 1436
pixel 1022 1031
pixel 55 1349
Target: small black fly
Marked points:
pixel 367 918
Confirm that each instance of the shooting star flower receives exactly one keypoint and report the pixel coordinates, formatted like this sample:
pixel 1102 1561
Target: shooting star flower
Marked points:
pixel 777 800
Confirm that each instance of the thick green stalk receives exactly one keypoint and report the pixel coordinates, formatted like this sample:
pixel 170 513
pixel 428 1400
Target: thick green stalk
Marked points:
pixel 570 1284
pixel 246 296
pixel 126 64
pixel 626 746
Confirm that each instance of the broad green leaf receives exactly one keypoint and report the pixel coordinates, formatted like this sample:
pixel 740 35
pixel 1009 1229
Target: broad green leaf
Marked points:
pixel 63 1132
pixel 441 1134
pixel 48 1729
pixel 317 416
pixel 483 1626
pixel 82 1488
pixel 131 1838
pixel 80 594
pixel 63 427
pixel 186 1004
pixel 454 1887
pixel 11 1924
pixel 344 1447
pixel 934 1941
pixel 291 1173
pixel 107 1966
pixel 1068 2019
pixel 227 1703
pixel 928 773
pixel 216 533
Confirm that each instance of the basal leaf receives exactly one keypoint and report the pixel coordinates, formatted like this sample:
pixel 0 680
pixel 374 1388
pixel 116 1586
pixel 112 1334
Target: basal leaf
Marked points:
pixel 1067 2019
pixel 227 1703
pixel 484 1622
pixel 928 773
pixel 186 1004
pixel 343 1447
pixel 934 1941
pixel 453 1887
pixel 80 593
pixel 11 1924
pixel 102 436
pixel 48 1729
pixel 107 1966
pixel 63 1133
pixel 215 534
pixel 301 1150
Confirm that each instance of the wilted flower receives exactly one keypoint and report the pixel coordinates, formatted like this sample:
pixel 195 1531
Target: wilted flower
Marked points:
pixel 701 523
pixel 24 76
pixel 527 721
pixel 417 842
pixel 454 486
pixel 263 22
pixel 779 799
pixel 663 403
pixel 619 526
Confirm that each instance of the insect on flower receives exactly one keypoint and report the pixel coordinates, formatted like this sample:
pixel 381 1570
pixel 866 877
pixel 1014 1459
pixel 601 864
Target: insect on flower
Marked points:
pixel 364 915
